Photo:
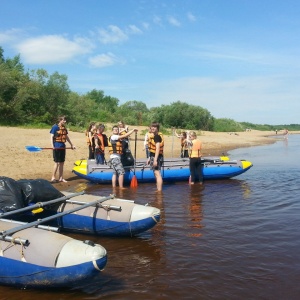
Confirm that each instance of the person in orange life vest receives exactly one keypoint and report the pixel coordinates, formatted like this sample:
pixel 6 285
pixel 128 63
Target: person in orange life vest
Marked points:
pixel 90 140
pixel 115 150
pixel 196 167
pixel 184 144
pixel 156 151
pixel 99 144
pixel 59 136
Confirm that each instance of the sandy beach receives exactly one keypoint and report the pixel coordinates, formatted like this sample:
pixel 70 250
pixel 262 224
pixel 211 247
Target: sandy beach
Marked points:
pixel 18 163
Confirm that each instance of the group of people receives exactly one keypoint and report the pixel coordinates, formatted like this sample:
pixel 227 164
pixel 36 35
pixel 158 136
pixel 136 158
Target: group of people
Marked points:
pixel 191 147
pixel 118 145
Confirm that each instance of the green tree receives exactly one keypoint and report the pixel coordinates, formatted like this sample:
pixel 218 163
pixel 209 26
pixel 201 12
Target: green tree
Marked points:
pixel 133 112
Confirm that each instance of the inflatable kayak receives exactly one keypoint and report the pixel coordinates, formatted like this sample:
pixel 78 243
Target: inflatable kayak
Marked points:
pixel 173 170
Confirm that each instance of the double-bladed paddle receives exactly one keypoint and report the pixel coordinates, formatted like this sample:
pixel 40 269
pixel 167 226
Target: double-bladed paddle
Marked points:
pixel 38 149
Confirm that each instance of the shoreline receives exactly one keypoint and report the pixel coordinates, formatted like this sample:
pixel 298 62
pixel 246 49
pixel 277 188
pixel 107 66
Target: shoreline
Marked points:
pixel 18 163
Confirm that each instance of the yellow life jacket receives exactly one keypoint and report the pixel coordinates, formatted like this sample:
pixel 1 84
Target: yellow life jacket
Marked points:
pixel 60 135
pixel 115 146
pixel 152 145
pixel 196 149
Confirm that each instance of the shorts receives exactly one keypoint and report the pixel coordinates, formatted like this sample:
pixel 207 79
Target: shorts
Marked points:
pixel 59 155
pixel 160 161
pixel 117 166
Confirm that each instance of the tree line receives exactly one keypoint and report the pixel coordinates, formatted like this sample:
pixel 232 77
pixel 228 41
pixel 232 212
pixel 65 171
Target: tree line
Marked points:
pixel 36 98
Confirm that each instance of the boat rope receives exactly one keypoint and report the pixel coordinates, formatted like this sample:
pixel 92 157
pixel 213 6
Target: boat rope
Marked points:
pixel 154 219
pixel 96 266
pixel 13 244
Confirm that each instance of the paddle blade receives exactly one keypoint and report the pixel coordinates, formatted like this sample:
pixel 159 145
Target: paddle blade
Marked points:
pixel 133 183
pixel 33 148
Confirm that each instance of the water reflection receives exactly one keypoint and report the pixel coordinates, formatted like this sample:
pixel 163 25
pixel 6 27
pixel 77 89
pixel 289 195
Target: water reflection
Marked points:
pixel 195 210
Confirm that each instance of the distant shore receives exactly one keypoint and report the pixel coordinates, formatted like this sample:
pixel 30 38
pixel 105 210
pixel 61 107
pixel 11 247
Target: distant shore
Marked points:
pixel 18 163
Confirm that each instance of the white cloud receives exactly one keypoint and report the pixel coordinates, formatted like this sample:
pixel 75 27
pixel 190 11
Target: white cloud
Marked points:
pixel 134 30
pixel 146 25
pixel 52 49
pixel 173 21
pixel 191 17
pixel 157 20
pixel 112 36
pixel 104 60
pixel 9 36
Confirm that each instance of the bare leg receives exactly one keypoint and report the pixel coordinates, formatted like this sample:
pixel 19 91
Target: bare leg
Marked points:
pixel 121 181
pixel 159 180
pixel 55 168
pixel 114 180
pixel 61 171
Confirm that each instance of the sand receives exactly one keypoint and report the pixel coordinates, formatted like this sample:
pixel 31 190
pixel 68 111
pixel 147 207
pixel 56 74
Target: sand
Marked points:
pixel 18 163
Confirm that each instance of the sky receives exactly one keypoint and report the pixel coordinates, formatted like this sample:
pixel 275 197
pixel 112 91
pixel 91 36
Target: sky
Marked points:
pixel 239 59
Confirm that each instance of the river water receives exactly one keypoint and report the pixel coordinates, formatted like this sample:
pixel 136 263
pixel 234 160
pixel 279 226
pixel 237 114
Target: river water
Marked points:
pixel 229 239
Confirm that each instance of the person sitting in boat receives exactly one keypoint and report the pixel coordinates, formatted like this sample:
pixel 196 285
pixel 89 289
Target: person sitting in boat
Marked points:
pixel 196 167
pixel 100 138
pixel 156 152
pixel 184 144
pixel 115 150
pixel 90 140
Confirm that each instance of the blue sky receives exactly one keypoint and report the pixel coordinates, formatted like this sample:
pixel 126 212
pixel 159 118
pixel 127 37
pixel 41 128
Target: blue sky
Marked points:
pixel 239 59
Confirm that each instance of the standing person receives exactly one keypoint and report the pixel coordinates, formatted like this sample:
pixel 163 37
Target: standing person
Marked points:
pixel 59 136
pixel 196 167
pixel 100 144
pixel 146 140
pixel 156 152
pixel 90 140
pixel 115 150
pixel 183 143
pixel 122 128
pixel 122 131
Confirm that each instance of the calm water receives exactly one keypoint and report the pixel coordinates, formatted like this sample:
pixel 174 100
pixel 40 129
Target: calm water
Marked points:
pixel 232 239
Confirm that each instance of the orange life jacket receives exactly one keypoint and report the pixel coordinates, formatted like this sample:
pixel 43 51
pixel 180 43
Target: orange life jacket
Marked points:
pixel 115 146
pixel 100 139
pixel 196 149
pixel 61 134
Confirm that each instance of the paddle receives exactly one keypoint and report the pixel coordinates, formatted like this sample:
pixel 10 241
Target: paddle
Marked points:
pixel 39 205
pixel 38 149
pixel 134 183
pixel 6 234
